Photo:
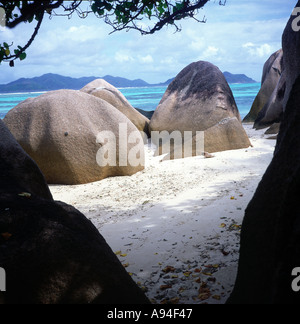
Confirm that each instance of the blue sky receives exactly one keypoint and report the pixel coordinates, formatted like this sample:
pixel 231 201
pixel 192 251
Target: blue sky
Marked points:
pixel 237 38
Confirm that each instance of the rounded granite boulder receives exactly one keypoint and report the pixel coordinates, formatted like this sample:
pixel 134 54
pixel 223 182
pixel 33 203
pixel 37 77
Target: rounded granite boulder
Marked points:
pixel 76 138
pixel 271 75
pixel 103 90
pixel 200 100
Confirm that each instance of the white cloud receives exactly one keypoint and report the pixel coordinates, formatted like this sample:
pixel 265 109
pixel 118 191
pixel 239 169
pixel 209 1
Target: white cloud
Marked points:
pixel 210 52
pixel 259 50
pixel 82 33
pixel 264 50
pixel 238 38
pixel 248 45
pixel 196 45
pixel 122 57
pixel 146 59
pixel 169 60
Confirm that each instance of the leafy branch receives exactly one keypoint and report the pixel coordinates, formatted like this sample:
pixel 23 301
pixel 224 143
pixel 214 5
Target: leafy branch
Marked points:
pixel 119 14
pixel 20 52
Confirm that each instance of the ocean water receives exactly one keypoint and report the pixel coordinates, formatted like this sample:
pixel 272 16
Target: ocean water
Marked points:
pixel 146 98
pixel 245 95
pixel 9 100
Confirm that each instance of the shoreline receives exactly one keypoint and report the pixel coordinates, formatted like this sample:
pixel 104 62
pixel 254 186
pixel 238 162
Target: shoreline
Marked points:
pixel 176 225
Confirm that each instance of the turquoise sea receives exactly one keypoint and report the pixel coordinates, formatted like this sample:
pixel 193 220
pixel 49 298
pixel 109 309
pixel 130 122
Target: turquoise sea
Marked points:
pixel 143 98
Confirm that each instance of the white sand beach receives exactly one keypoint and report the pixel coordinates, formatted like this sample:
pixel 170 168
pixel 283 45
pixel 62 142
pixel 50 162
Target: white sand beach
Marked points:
pixel 176 225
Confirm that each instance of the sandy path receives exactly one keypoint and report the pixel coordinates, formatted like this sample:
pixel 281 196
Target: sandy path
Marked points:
pixel 176 225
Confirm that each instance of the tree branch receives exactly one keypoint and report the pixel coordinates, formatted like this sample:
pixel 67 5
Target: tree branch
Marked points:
pixel 187 11
pixel 119 14
pixel 22 50
pixel 28 11
pixel 172 13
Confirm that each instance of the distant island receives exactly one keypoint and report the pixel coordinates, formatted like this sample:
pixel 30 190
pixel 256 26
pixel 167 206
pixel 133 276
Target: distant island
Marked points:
pixel 50 81
pixel 238 78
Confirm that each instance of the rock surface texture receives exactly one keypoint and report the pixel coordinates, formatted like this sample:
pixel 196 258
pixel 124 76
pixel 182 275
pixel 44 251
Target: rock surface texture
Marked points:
pixel 60 131
pixel 271 74
pixel 103 90
pixel 270 242
pixel 17 168
pixel 51 253
pixel 200 100
pixel 272 111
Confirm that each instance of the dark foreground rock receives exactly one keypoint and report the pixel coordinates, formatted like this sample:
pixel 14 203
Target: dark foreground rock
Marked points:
pixel 270 242
pixel 270 239
pixel 50 252
pixel 53 255
pixel 291 58
pixel 18 169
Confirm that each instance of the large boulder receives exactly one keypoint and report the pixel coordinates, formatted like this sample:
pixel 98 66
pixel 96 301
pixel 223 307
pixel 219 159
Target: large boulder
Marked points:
pixel 271 74
pixel 197 99
pixel 200 100
pixel 76 138
pixel 272 112
pixel 103 90
pixel 291 59
pixel 228 134
pixel 50 252
pixel 270 240
pixel 273 130
pixel 17 168
pixel 224 136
